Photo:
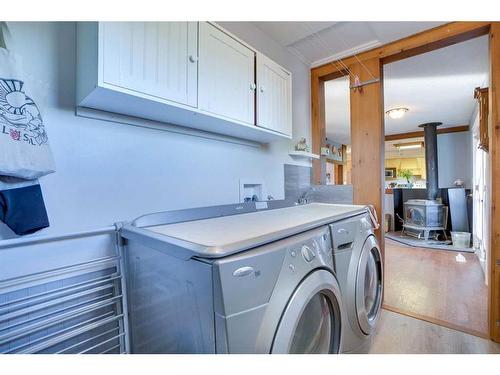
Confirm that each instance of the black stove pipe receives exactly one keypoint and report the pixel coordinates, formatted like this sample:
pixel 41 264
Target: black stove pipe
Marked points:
pixel 431 158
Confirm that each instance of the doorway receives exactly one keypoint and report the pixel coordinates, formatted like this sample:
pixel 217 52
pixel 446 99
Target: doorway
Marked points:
pixel 430 272
pixel 337 148
pixel 367 133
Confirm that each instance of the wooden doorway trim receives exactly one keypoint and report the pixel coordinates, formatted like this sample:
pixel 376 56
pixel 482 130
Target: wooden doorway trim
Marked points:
pixel 494 149
pixel 339 174
pixel 367 126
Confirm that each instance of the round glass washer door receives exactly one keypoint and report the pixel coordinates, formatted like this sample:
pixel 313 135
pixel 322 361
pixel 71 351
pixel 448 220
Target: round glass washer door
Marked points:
pixel 369 286
pixel 311 322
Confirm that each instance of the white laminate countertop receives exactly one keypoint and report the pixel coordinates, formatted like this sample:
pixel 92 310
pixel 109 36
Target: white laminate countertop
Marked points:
pixel 220 236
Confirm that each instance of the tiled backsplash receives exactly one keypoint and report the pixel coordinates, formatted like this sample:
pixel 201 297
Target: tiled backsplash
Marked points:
pixel 298 181
pixel 341 194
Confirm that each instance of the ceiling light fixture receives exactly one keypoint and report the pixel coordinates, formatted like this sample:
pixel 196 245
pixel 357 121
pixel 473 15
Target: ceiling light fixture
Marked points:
pixel 409 145
pixel 396 113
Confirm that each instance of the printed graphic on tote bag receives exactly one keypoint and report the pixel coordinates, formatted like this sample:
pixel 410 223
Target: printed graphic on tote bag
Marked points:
pixel 19 115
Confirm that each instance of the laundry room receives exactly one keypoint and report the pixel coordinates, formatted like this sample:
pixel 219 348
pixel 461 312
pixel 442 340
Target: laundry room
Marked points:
pixel 173 184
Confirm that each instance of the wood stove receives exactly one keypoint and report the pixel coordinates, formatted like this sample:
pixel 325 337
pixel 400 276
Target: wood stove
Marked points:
pixel 423 217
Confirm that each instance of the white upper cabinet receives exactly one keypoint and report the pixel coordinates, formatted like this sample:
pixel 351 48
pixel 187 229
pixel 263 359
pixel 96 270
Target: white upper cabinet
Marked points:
pixel 227 76
pixel 192 74
pixel 152 58
pixel 274 96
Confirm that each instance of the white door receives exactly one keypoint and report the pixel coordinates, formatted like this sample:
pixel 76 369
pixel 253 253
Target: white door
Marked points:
pixel 152 58
pixel 274 96
pixel 227 76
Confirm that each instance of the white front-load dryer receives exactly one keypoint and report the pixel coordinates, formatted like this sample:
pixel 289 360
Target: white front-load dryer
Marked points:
pixel 359 270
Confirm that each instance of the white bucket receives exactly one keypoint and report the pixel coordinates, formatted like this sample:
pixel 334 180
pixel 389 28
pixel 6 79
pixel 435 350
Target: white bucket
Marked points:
pixel 460 239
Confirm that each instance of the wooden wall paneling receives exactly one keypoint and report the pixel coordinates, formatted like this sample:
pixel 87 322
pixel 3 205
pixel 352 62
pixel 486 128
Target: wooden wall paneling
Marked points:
pixel 367 140
pixel 494 146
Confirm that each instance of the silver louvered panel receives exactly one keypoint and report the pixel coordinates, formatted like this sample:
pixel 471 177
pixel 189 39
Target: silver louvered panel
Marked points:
pixel 63 294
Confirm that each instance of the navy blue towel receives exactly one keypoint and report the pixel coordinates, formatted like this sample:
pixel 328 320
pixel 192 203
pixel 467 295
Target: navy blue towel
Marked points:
pixel 23 209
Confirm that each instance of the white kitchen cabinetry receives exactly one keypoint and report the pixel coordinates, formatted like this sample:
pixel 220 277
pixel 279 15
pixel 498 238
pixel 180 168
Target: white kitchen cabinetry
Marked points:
pixel 152 58
pixel 227 75
pixel 189 74
pixel 274 96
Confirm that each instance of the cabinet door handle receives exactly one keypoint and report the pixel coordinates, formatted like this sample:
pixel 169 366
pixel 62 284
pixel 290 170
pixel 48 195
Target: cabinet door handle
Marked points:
pixel 193 59
pixel 253 86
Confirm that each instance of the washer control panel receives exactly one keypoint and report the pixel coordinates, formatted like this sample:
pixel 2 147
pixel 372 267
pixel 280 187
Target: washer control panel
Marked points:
pixel 346 231
pixel 310 251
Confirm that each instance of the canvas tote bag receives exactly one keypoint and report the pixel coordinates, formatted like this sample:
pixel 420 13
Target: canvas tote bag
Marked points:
pixel 24 148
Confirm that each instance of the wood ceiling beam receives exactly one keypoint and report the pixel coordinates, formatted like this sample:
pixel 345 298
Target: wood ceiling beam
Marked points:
pixel 454 129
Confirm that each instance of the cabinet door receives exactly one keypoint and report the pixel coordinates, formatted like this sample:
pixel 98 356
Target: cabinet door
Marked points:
pixel 152 58
pixel 227 76
pixel 274 96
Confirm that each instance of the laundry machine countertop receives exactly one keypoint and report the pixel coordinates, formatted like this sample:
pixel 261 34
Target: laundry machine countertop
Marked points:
pixel 221 236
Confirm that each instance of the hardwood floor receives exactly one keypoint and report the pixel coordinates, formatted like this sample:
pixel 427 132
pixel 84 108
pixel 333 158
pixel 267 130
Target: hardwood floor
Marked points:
pixel 431 285
pixel 401 334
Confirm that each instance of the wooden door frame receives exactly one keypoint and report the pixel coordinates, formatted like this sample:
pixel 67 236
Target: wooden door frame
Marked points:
pixel 367 125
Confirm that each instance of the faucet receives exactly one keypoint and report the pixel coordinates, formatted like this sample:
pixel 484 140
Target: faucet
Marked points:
pixel 304 197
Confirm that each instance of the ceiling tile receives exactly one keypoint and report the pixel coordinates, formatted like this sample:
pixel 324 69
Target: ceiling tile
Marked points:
pixel 315 41
pixel 287 33
pixel 334 40
pixel 390 31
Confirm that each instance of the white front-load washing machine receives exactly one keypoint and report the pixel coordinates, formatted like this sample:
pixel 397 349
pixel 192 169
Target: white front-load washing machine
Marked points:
pixel 359 270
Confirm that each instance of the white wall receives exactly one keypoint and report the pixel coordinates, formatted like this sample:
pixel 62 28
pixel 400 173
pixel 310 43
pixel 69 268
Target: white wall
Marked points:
pixel 108 172
pixel 454 159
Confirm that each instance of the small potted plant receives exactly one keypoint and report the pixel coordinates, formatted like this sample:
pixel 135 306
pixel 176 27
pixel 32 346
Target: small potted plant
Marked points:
pixel 407 175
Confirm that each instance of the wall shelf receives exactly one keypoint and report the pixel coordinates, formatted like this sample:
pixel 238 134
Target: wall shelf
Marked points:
pixel 303 154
